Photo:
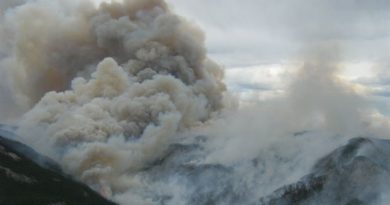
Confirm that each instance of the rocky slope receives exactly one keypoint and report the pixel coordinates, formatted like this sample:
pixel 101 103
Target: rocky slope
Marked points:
pixel 355 174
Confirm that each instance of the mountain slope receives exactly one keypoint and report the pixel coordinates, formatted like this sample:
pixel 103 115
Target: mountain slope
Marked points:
pixel 355 174
pixel 24 181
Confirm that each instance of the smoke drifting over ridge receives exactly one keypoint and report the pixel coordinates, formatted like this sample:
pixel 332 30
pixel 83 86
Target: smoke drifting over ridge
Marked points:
pixel 108 91
pixel 120 73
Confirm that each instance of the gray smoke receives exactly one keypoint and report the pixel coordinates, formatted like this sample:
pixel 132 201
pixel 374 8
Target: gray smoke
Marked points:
pixel 109 87
pixel 109 92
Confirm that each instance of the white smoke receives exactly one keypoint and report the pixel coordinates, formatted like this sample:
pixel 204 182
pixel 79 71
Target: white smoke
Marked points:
pixel 288 134
pixel 107 91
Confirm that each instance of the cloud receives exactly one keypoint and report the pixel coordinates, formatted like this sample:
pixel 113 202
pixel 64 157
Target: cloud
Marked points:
pixel 109 90
pixel 276 31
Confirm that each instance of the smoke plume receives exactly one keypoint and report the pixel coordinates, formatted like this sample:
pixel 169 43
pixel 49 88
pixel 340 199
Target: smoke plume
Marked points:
pixel 109 87
pixel 108 91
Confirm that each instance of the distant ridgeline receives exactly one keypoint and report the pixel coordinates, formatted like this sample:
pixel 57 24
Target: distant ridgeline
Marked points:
pixel 354 174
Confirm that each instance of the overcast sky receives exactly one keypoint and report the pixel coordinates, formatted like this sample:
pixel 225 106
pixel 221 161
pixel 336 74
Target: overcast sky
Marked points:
pixel 271 31
pixel 255 39
pixel 258 41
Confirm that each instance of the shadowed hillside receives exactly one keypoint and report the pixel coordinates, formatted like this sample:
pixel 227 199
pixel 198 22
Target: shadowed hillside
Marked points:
pixel 23 181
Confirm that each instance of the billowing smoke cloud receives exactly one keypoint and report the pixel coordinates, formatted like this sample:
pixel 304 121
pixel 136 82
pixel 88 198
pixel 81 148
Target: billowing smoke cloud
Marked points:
pixel 47 44
pixel 110 87
pixel 113 91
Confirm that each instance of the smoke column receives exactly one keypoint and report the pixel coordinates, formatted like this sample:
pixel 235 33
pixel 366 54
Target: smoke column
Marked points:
pixel 106 91
pixel 109 87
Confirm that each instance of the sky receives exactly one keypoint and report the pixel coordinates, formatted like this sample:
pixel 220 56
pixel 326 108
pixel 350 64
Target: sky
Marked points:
pixel 310 69
pixel 269 31
pixel 249 32
pixel 259 42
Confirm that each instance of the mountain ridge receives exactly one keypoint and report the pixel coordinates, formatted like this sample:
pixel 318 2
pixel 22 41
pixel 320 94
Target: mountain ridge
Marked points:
pixel 24 181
